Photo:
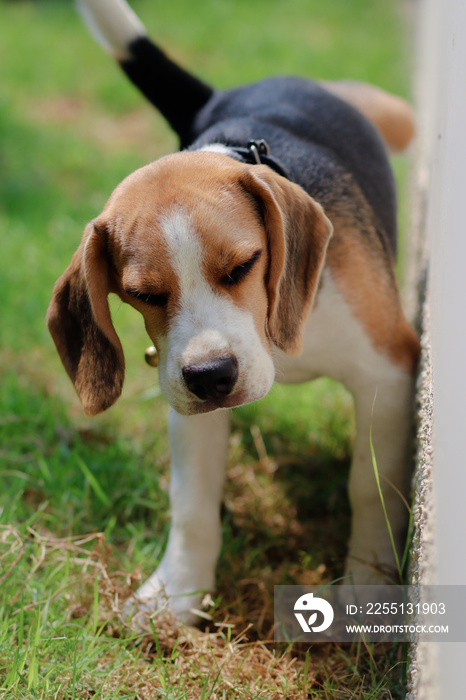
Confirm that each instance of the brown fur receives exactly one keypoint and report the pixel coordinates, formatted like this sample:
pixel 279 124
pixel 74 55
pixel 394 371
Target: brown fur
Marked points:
pixel 298 235
pixel 79 321
pixel 374 299
pixel 390 114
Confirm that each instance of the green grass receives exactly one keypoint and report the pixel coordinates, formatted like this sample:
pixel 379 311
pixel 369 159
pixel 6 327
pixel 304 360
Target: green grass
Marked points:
pixel 83 506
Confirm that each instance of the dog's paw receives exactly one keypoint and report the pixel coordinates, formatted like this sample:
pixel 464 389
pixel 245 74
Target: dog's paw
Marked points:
pixel 151 600
pixel 360 572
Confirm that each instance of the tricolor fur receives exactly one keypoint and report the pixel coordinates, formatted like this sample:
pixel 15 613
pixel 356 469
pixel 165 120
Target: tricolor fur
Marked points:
pixel 247 274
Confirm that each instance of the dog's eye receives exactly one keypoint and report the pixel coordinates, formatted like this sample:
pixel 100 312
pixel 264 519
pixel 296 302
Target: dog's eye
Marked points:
pixel 149 299
pixel 239 272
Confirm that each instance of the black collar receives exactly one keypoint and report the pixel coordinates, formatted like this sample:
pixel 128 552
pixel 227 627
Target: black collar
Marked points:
pixel 258 153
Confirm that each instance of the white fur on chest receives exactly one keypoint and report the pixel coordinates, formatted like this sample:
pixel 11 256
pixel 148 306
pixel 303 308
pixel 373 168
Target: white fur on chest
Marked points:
pixel 336 345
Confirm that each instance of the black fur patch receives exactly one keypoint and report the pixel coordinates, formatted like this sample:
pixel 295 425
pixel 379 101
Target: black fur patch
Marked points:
pixel 172 90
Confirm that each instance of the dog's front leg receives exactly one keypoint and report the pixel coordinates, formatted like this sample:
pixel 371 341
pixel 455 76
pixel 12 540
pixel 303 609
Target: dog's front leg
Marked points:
pixel 198 450
pixel 383 406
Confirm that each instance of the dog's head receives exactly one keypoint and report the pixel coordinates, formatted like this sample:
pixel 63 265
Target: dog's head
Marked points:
pixel 222 259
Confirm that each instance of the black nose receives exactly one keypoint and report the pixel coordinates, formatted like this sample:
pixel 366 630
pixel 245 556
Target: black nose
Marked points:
pixel 214 379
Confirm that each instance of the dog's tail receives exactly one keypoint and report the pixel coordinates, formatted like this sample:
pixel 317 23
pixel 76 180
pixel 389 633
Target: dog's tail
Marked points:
pixel 391 115
pixel 177 94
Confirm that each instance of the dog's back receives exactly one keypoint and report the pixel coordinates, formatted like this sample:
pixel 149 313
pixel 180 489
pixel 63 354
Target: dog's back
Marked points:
pixel 318 137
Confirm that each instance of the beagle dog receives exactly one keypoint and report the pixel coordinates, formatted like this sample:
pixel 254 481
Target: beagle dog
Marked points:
pixel 263 251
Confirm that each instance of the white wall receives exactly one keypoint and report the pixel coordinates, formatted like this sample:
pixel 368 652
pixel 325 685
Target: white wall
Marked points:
pixel 442 179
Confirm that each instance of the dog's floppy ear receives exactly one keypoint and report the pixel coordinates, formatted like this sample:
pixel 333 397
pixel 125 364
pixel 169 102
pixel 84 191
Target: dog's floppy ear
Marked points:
pixel 298 233
pixel 79 321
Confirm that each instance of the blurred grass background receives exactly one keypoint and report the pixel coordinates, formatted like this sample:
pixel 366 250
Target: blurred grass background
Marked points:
pixel 71 127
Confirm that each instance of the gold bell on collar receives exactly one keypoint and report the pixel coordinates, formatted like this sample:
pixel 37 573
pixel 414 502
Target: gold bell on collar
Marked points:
pixel 151 356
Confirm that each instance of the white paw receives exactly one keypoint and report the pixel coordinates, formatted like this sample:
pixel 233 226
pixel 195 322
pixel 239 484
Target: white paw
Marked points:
pixel 151 600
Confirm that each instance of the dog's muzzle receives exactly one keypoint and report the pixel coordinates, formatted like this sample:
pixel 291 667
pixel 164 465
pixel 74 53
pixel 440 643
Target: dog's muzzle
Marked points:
pixel 213 379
